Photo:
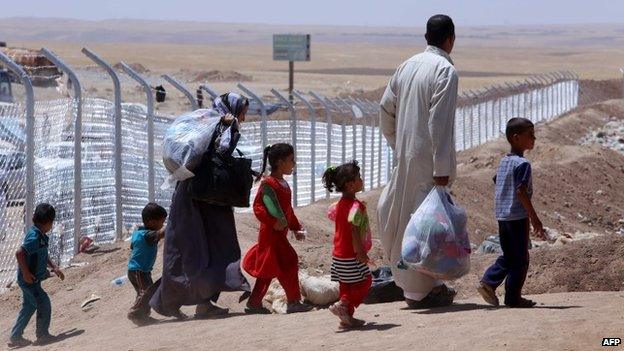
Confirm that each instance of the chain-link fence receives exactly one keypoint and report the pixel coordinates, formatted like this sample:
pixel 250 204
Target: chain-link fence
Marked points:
pixel 324 132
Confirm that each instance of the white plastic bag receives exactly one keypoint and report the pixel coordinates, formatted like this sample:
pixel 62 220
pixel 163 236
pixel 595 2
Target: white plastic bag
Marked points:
pixel 435 241
pixel 186 140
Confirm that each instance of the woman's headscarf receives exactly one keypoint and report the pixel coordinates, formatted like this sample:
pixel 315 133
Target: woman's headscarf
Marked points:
pixel 230 103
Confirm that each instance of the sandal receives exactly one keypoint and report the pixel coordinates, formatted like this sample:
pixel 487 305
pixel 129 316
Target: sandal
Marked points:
pixel 340 310
pixel 523 303
pixel 210 310
pixel 18 343
pixel 440 296
pixel 488 294
pixel 256 310
pixel 297 307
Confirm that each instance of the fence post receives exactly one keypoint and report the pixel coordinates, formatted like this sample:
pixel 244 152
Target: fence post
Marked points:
pixel 30 137
pixel 569 78
pixel 344 130
pixel 362 109
pixel 205 87
pixel 379 145
pixel 549 95
pixel 363 164
pixel 354 129
pixel 374 122
pixel 475 98
pixel 77 142
pixel 328 121
pixel 263 113
pixel 293 126
pixel 183 89
pixel 500 108
pixel 151 178
pixel 312 112
pixel 553 79
pixel 118 148
pixel 491 90
pixel 534 85
pixel 557 90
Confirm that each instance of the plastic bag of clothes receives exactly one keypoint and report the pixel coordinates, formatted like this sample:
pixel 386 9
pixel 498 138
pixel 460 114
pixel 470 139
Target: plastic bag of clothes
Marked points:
pixel 435 241
pixel 186 140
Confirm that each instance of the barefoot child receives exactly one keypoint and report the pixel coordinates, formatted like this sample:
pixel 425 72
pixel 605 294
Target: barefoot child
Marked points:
pixel 352 241
pixel 513 211
pixel 273 256
pixel 144 245
pixel 32 259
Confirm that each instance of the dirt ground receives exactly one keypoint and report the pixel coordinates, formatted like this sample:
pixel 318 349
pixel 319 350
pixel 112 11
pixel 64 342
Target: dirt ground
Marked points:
pixel 576 310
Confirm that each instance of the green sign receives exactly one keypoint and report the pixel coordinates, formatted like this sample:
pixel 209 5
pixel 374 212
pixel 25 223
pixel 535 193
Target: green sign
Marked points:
pixel 291 47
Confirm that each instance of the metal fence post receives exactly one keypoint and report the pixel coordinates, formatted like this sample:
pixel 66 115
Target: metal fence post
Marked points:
pixel 379 144
pixel 312 112
pixel 534 85
pixel 263 113
pixel 363 164
pixel 544 97
pixel 551 97
pixel 151 178
pixel 569 78
pixel 30 137
pixel 213 93
pixel 500 108
pixel 354 127
pixel 373 114
pixel 328 121
pixel 491 90
pixel 118 148
pixel 77 142
pixel 178 85
pixel 529 94
pixel 475 98
pixel 344 131
pixel 293 126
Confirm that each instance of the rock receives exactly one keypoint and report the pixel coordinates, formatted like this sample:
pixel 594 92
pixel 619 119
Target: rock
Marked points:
pixel 491 244
pixel 89 302
pixel 600 192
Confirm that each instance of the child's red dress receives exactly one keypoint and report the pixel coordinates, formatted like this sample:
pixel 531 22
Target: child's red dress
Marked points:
pixel 273 256
pixel 354 276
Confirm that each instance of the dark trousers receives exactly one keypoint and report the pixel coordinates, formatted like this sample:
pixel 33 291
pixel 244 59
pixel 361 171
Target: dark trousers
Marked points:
pixel 513 264
pixel 145 288
pixel 35 299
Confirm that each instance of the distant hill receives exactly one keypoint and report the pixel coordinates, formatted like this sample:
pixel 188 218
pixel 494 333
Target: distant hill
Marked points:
pixel 186 32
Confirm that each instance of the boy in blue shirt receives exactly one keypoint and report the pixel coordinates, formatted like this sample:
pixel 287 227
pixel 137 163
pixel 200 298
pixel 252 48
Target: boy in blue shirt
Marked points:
pixel 514 210
pixel 32 259
pixel 144 247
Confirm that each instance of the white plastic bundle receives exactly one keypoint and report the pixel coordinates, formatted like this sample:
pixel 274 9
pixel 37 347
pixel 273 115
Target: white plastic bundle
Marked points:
pixel 186 140
pixel 435 241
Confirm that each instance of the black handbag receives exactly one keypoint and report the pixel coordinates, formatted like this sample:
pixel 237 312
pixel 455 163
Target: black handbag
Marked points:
pixel 223 179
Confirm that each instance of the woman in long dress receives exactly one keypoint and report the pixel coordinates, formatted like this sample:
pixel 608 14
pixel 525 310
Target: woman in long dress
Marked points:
pixel 201 256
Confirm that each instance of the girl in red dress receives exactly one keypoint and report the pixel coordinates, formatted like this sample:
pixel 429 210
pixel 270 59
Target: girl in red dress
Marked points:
pixel 273 256
pixel 352 241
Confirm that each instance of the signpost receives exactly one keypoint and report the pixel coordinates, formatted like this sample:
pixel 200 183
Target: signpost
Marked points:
pixel 291 48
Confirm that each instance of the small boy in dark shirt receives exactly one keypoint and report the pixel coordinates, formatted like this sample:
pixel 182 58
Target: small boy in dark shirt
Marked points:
pixel 514 210
pixel 33 260
pixel 144 245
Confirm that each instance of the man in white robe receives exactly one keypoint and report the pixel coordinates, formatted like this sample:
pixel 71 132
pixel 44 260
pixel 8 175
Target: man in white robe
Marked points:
pixel 417 119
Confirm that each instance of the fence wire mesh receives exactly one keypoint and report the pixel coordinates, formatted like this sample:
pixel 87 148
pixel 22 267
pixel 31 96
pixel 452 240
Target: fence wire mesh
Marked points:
pixel 348 138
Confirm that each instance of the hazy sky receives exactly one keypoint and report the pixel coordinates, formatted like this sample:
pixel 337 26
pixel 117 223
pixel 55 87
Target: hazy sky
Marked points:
pixel 329 12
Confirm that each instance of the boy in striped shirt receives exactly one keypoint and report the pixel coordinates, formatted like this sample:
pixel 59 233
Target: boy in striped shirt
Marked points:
pixel 514 211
